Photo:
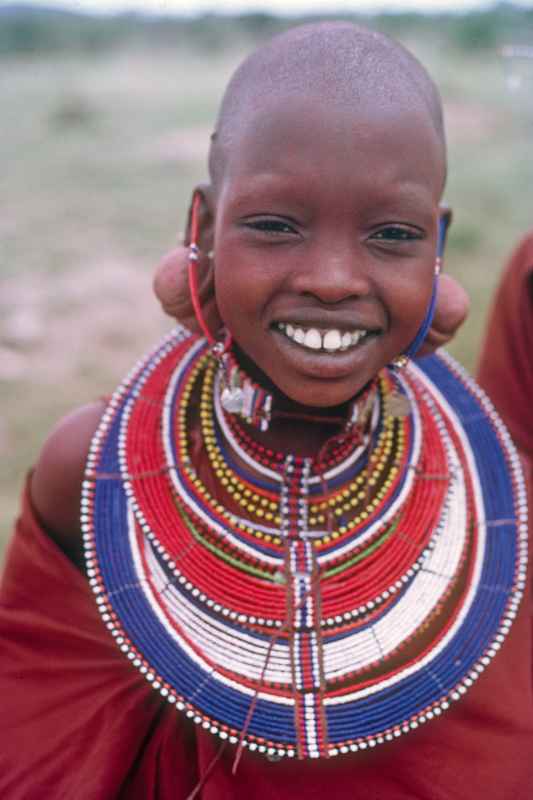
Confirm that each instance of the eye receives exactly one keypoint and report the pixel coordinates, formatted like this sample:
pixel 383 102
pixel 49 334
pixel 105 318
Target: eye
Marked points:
pixel 397 233
pixel 272 226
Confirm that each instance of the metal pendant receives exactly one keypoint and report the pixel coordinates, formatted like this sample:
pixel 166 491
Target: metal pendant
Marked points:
pixel 232 400
pixel 397 405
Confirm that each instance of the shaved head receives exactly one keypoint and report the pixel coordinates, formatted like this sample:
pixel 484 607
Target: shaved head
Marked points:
pixel 335 64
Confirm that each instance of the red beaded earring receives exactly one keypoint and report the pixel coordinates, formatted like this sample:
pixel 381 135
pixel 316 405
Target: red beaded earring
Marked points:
pixel 194 257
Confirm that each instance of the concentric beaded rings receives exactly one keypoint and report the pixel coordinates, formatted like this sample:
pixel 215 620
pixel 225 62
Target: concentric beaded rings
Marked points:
pixel 222 583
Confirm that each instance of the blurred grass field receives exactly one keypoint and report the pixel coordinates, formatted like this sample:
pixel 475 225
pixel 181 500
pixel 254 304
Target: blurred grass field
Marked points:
pixel 99 154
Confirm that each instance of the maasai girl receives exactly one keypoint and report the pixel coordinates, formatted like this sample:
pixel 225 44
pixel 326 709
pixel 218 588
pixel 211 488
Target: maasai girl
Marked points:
pixel 305 556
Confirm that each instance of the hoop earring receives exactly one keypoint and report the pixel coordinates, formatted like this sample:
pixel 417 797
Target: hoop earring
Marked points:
pixel 239 394
pixel 403 359
pixel 194 257
pixel 411 351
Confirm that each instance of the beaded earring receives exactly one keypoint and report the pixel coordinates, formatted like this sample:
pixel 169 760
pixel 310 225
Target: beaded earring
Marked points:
pixel 403 359
pixel 239 394
pixel 194 257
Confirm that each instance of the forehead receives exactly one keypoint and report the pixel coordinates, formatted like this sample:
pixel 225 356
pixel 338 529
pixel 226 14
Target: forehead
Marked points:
pixel 372 140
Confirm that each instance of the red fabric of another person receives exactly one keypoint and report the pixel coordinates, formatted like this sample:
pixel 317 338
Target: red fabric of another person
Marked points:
pixel 79 722
pixel 506 365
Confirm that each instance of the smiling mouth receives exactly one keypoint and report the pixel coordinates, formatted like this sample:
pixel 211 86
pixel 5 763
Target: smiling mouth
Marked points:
pixel 330 340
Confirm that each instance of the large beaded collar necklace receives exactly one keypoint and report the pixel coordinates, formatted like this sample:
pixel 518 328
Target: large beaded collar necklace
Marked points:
pixel 304 607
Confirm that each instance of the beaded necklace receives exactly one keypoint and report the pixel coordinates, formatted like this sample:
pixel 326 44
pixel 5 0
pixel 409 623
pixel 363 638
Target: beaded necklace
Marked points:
pixel 261 497
pixel 225 587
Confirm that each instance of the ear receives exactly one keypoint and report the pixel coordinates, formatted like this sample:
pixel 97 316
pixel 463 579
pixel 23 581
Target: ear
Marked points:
pixel 445 219
pixel 202 206
pixel 200 231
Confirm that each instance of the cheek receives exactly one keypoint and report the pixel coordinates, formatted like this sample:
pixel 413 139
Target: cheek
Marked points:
pixel 245 282
pixel 237 293
pixel 411 294
pixel 225 298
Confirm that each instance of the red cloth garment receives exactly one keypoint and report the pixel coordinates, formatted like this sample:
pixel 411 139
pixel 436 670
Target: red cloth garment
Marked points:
pixel 79 722
pixel 506 365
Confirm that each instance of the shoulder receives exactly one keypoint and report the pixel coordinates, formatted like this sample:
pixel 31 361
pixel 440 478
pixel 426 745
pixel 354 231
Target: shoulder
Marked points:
pixel 57 479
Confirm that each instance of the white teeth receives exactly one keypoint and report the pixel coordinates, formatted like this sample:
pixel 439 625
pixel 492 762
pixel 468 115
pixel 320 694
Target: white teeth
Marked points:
pixel 313 339
pixel 346 339
pixel 332 340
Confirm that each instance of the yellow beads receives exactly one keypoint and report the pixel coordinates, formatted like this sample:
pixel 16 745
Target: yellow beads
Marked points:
pixel 349 506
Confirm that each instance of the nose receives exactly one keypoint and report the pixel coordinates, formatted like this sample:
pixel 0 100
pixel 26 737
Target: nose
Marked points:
pixel 333 272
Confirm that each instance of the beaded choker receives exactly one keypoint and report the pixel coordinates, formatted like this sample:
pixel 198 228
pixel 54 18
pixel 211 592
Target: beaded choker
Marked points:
pixel 304 607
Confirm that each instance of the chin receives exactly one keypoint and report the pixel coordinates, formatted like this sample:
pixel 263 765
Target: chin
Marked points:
pixel 306 388
pixel 315 394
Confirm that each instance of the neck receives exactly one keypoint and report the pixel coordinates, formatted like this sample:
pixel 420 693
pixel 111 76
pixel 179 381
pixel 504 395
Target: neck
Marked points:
pixel 302 436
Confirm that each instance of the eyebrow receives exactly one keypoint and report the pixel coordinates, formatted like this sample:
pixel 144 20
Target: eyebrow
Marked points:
pixel 267 187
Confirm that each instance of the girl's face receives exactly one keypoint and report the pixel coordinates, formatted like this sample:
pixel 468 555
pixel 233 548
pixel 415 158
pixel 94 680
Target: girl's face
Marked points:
pixel 325 242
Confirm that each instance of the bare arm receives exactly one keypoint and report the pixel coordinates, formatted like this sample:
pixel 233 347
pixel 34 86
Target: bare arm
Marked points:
pixel 56 481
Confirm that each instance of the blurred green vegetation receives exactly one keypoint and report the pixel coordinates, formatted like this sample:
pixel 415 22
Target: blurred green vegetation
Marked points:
pixel 104 131
pixel 25 29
